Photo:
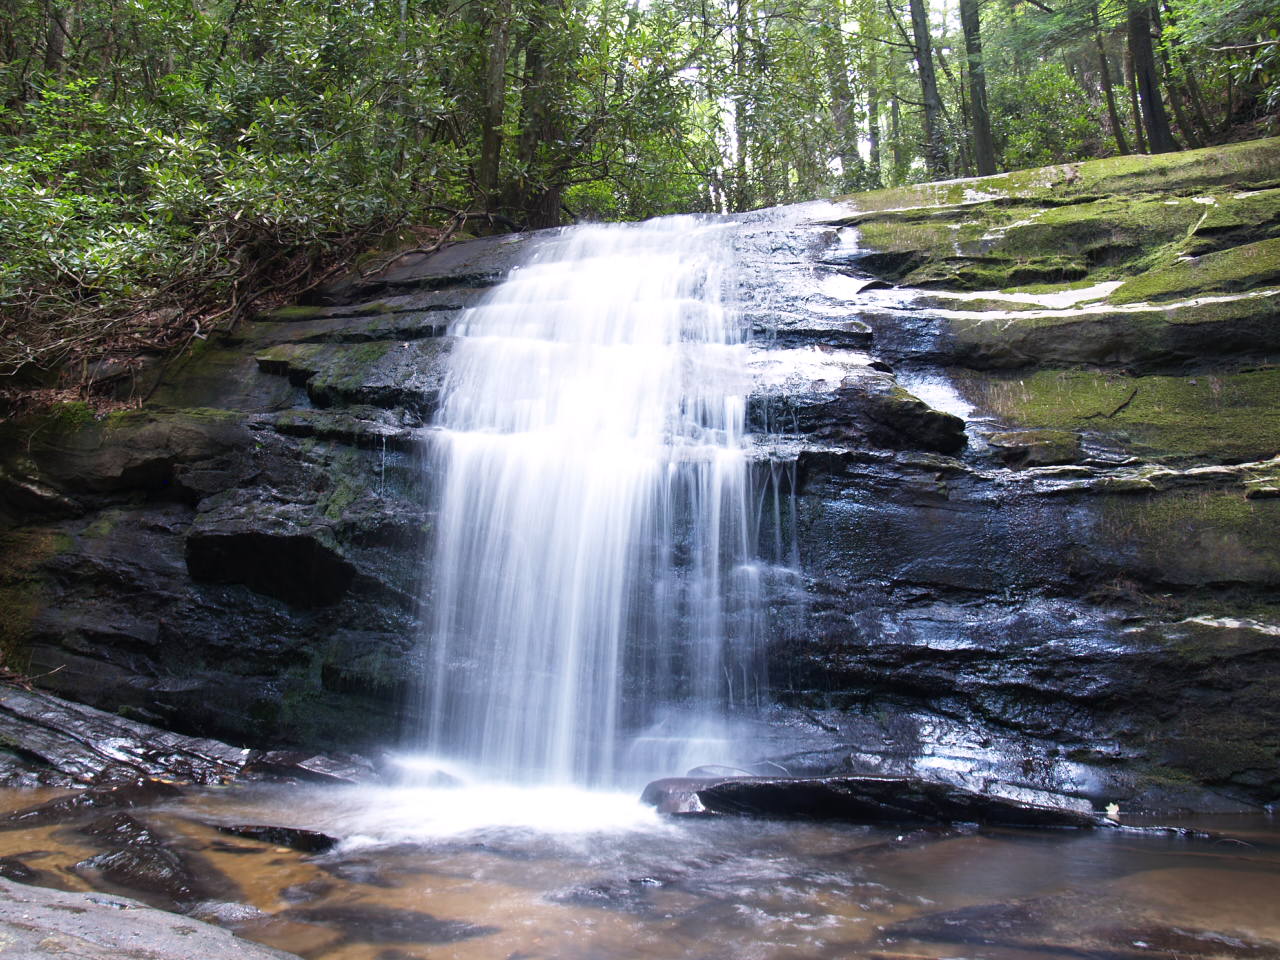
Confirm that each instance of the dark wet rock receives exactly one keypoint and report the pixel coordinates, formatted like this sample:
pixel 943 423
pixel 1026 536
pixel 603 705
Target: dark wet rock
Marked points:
pixel 367 872
pixel 372 924
pixel 226 913
pixel 1101 625
pixel 1036 448
pixel 347 768
pixel 307 841
pixel 77 805
pixel 477 263
pixel 275 552
pixel 12 868
pixel 91 745
pixel 35 922
pixel 120 830
pixel 145 869
pixel 867 407
pixel 860 800
pixel 302 892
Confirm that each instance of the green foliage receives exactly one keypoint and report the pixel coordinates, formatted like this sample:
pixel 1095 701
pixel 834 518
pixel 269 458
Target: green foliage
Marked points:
pixel 1043 117
pixel 165 163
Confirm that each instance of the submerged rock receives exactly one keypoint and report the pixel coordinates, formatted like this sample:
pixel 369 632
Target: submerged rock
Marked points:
pixel 373 924
pixel 307 841
pixel 859 800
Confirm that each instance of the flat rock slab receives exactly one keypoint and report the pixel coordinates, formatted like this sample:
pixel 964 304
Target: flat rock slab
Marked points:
pixel 860 800
pixel 38 922
pixel 86 745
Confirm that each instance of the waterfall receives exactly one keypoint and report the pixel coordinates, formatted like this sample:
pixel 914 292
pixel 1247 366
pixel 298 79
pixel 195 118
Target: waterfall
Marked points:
pixel 594 601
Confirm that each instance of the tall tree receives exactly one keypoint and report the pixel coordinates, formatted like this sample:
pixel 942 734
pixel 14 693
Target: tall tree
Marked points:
pixel 984 150
pixel 1104 68
pixel 935 150
pixel 1147 80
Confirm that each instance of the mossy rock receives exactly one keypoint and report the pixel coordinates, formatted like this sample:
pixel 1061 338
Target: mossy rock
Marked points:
pixel 1001 334
pixel 995 273
pixel 1191 538
pixel 1228 271
pixel 1036 448
pixel 1234 219
pixel 1103 233
pixel 1231 417
pixel 1252 163
pixel 22 588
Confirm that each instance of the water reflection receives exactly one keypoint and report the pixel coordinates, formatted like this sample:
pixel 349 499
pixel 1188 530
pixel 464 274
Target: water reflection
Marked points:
pixel 497 872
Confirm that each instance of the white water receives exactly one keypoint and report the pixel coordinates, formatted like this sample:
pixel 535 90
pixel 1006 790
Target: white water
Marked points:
pixel 594 589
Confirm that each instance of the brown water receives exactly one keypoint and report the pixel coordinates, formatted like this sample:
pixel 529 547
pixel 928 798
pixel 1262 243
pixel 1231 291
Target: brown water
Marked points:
pixel 576 876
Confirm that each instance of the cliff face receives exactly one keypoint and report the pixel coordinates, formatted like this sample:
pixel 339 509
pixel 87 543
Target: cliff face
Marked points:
pixel 1034 504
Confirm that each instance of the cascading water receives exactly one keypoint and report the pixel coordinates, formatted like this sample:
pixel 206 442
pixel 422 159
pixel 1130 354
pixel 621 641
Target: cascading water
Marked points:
pixel 595 598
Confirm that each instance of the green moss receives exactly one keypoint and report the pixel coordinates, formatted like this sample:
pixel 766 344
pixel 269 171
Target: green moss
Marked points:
pixel 994 273
pixel 1235 219
pixel 69 417
pixel 1229 417
pixel 1105 232
pixel 894 236
pixel 1251 163
pixel 1194 537
pixel 292 313
pixel 1228 271
pixel 336 502
pixel 22 593
pixel 102 525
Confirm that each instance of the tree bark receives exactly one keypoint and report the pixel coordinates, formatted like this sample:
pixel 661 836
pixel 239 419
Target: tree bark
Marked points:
pixel 984 150
pixel 935 151
pixel 837 67
pixel 874 180
pixel 1132 85
pixel 495 99
pixel 1147 80
pixel 61 23
pixel 1113 114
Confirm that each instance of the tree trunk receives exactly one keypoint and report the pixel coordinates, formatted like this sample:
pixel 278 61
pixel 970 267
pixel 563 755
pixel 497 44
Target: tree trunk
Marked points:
pixel 837 67
pixel 984 150
pixel 874 180
pixel 895 136
pixel 935 151
pixel 1132 85
pixel 1113 115
pixel 1191 86
pixel 742 199
pixel 1147 81
pixel 61 23
pixel 495 99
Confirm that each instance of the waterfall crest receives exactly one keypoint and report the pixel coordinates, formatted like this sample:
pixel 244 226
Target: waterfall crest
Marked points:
pixel 594 597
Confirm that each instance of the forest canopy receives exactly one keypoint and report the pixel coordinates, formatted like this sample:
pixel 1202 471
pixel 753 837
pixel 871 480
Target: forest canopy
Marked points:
pixel 165 165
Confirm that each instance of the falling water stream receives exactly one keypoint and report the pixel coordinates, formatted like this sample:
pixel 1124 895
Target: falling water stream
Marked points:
pixel 595 589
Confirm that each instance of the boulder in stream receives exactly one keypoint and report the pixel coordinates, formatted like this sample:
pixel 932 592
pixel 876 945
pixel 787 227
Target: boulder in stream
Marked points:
pixel 863 799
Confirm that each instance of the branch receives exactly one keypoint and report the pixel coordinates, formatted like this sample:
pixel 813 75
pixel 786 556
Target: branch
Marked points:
pixel 1245 46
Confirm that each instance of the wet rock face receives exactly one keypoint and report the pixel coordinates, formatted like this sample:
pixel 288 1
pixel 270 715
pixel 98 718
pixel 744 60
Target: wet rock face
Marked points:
pixel 1036 525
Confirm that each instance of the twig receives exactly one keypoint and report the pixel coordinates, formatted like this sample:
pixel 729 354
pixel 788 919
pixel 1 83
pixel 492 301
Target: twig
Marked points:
pixel 1107 416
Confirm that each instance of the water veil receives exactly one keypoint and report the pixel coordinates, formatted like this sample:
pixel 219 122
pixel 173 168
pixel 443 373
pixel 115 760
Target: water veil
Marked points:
pixel 594 610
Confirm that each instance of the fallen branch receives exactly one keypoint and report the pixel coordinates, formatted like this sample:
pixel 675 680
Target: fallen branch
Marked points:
pixel 1107 416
